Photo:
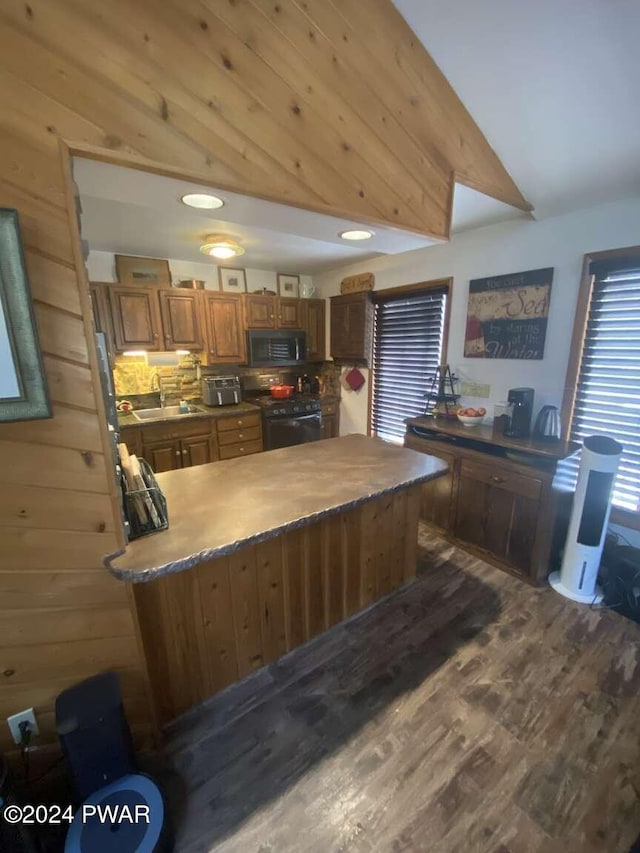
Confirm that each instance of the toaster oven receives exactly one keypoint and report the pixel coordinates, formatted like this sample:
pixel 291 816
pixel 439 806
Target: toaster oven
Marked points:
pixel 220 390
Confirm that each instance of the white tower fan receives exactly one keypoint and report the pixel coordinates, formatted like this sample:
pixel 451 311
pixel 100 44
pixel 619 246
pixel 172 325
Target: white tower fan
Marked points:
pixel 589 520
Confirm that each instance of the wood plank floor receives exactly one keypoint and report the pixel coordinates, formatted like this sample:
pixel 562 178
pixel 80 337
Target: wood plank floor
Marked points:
pixel 467 712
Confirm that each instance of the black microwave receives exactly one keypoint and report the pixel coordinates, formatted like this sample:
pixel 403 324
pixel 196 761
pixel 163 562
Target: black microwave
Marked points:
pixel 268 348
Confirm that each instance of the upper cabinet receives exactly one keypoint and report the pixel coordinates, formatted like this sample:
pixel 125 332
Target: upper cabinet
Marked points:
pixel 315 327
pixel 135 313
pixel 351 326
pixel 273 312
pixel 181 322
pixel 225 338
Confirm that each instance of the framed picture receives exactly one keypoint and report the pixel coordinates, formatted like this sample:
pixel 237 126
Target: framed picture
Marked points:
pixel 131 270
pixel 507 315
pixel 23 389
pixel 288 285
pixel 232 279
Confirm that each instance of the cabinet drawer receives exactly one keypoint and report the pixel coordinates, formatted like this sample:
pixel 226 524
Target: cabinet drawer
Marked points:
pixel 238 422
pixel 500 477
pixel 329 408
pixel 229 451
pixel 237 436
pixel 171 430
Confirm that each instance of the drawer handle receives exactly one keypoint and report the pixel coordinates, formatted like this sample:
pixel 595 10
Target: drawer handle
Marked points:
pixel 242 450
pixel 240 435
pixel 497 479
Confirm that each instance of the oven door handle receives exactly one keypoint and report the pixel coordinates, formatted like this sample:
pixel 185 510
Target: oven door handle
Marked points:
pixel 296 419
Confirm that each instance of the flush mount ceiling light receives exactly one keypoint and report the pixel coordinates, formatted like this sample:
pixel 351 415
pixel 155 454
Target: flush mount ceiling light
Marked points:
pixel 356 234
pixel 221 247
pixel 205 201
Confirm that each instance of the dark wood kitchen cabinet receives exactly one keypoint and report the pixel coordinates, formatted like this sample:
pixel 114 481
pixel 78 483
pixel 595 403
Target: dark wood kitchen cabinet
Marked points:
pixel 506 512
pixel 135 314
pixel 314 323
pixel 171 445
pixel 330 418
pixel 273 312
pixel 181 325
pixel 436 498
pixel 225 338
pixel 351 327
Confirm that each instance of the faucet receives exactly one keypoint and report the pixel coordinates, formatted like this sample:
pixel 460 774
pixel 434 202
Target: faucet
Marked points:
pixel 156 380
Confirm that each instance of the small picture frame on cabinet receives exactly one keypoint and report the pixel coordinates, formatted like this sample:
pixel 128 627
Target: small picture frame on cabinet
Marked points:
pixel 232 279
pixel 289 285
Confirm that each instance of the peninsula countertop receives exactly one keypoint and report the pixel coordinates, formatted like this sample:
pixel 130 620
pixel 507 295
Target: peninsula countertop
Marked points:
pixel 216 509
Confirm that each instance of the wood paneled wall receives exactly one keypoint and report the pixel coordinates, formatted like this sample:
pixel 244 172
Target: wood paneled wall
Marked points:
pixel 326 104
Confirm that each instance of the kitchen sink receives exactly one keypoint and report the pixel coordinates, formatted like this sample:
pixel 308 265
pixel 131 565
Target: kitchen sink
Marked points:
pixel 164 412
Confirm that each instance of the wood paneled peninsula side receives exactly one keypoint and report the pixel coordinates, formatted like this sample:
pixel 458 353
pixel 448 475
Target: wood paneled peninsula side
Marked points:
pixel 264 552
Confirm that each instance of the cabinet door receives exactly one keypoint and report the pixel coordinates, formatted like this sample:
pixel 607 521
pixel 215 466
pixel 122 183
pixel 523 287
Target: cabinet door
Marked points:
pixel 197 450
pixel 135 314
pixel 162 455
pixel 497 510
pixel 289 313
pixel 99 306
pixel 180 320
pixel 351 327
pixel 226 341
pixel 436 497
pixel 331 420
pixel 260 311
pixel 314 325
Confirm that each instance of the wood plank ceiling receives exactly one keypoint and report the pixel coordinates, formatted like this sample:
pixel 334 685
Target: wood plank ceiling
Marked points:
pixel 331 105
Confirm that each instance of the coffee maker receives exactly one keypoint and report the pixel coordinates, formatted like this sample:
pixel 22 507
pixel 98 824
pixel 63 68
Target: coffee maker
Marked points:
pixel 521 404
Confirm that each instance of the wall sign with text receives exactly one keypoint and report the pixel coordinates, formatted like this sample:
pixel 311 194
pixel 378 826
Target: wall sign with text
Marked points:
pixel 507 315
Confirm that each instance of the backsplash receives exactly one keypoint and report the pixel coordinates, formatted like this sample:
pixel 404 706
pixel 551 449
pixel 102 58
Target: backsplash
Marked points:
pixel 133 375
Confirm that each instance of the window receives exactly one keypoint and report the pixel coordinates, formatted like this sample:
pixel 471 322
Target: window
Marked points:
pixel 408 342
pixel 603 380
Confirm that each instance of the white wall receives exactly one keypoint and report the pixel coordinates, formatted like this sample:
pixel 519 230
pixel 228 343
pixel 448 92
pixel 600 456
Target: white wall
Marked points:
pixel 102 267
pixel 509 247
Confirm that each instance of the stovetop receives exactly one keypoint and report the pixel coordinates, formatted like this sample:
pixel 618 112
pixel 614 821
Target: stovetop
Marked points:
pixel 297 405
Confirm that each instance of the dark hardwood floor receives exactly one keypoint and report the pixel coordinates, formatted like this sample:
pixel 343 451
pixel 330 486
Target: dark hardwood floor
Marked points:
pixel 467 712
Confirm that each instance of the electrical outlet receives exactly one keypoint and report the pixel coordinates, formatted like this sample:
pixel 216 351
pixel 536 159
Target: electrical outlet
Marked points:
pixel 475 389
pixel 26 716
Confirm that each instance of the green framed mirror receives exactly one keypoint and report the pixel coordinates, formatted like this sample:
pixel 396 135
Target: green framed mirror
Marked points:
pixel 23 389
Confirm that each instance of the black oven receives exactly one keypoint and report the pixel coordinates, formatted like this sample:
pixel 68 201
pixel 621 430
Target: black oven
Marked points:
pixel 290 429
pixel 276 348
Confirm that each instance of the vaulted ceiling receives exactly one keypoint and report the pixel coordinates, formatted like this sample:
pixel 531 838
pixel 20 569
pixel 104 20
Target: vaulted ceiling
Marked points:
pixel 332 105
pixel 554 85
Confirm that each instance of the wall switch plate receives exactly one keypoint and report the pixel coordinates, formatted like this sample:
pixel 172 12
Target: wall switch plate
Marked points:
pixel 26 716
pixel 474 389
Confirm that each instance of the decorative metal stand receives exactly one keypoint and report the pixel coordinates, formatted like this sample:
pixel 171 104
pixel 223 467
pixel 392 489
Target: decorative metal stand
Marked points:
pixel 442 399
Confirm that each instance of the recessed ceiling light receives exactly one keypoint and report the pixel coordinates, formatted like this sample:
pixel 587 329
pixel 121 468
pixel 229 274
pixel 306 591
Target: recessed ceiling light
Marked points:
pixel 205 201
pixel 356 234
pixel 221 247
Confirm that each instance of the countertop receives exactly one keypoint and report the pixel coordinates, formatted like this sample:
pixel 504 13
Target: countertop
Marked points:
pixel 485 434
pixel 129 420
pixel 216 509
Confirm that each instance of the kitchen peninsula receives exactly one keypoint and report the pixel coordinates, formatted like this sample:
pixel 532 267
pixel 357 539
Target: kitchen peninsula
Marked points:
pixel 264 552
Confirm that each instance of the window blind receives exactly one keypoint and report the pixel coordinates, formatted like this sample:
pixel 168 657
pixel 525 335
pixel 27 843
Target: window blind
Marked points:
pixel 608 389
pixel 407 348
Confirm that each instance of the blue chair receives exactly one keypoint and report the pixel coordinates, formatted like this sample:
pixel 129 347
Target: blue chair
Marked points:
pixel 121 810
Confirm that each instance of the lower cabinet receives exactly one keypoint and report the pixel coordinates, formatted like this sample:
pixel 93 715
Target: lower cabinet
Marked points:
pixel 239 435
pixel 331 419
pixel 169 446
pixel 502 511
pixel 172 445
